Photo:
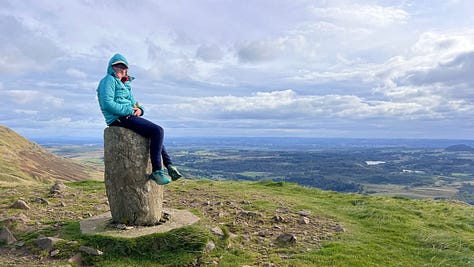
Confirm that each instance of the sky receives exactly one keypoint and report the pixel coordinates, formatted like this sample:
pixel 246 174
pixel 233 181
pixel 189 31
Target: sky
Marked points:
pixel 296 68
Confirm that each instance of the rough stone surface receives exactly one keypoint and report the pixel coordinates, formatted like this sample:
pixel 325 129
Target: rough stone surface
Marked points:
pixel 286 239
pixel 91 251
pixel 20 204
pixel 58 187
pixel 100 224
pixel 7 236
pixel 134 199
pixel 47 243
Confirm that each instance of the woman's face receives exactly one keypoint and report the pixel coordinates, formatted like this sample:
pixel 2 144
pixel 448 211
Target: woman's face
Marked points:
pixel 120 71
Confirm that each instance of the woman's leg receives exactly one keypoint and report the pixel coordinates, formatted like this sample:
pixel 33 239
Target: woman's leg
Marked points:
pixel 150 130
pixel 166 157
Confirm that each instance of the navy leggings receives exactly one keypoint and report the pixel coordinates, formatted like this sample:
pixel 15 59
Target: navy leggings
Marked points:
pixel 150 130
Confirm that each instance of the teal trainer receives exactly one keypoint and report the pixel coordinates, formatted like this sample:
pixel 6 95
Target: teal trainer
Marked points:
pixel 173 172
pixel 159 177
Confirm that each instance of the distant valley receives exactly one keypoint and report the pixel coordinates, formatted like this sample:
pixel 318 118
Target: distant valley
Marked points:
pixel 409 168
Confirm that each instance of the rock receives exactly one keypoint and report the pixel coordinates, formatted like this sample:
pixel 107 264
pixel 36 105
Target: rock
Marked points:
pixel 91 251
pixel 19 218
pixel 7 236
pixel 54 252
pixel 304 212
pixel 210 246
pixel 57 188
pixel 127 168
pixel 47 243
pixel 41 200
pixel 283 210
pixel 20 204
pixel 286 239
pixel 250 214
pixel 303 220
pixel 76 259
pixel 277 219
pixel 217 231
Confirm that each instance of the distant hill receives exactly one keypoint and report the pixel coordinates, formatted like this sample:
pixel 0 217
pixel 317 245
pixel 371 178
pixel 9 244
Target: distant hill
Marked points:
pixel 25 162
pixel 460 147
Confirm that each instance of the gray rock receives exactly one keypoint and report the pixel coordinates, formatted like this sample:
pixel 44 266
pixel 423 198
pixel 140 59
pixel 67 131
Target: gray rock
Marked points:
pixel 210 246
pixel 134 199
pixel 20 204
pixel 58 187
pixel 250 214
pixel 286 239
pixel 303 220
pixel 217 231
pixel 19 218
pixel 54 252
pixel 47 243
pixel 76 259
pixel 7 236
pixel 304 212
pixel 91 251
pixel 278 219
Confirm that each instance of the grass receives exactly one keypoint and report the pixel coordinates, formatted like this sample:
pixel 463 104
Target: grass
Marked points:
pixel 378 231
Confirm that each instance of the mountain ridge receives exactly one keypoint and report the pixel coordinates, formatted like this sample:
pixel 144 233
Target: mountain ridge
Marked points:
pixel 25 162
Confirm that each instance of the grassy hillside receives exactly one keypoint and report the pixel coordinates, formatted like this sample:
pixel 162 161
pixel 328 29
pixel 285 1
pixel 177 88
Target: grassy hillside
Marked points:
pixel 25 162
pixel 341 229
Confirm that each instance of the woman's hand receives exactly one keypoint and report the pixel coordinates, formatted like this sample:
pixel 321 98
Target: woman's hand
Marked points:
pixel 137 112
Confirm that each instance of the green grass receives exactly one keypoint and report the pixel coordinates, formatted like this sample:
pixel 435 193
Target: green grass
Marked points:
pixel 378 231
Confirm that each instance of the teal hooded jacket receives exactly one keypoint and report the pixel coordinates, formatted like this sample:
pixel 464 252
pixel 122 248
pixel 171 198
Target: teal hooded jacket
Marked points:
pixel 115 97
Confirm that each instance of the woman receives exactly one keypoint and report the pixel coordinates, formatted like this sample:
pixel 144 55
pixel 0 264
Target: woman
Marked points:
pixel 120 109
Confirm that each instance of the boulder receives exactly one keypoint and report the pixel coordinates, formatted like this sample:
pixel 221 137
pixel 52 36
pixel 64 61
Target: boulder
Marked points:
pixel 134 199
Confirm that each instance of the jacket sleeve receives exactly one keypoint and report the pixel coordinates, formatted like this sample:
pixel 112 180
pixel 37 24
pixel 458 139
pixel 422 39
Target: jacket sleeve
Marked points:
pixel 107 101
pixel 135 102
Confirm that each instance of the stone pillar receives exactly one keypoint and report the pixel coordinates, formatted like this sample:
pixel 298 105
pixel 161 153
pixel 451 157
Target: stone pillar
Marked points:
pixel 133 198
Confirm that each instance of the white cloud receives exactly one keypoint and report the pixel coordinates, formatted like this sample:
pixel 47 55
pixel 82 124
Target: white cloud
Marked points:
pixel 352 66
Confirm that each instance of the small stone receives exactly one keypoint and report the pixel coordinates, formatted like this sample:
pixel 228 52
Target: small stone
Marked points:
pixel 262 233
pixel 54 252
pixel 286 239
pixel 76 259
pixel 47 243
pixel 58 187
pixel 20 204
pixel 250 214
pixel 217 231
pixel 121 226
pixel 304 212
pixel 210 246
pixel 91 251
pixel 277 218
pixel 245 202
pixel 7 236
pixel 303 220
pixel 283 210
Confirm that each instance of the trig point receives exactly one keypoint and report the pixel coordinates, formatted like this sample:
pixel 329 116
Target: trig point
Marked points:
pixel 133 198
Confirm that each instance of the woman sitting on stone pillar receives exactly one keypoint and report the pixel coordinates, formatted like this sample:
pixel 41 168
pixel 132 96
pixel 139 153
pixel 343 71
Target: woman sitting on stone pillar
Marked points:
pixel 120 109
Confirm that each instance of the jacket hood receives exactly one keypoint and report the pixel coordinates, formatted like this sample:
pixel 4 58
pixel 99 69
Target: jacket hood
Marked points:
pixel 114 59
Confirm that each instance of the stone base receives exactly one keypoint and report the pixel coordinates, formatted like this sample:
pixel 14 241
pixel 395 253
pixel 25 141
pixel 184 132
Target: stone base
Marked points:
pixel 99 225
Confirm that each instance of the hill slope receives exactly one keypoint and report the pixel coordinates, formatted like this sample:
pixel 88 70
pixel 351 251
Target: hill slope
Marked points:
pixel 25 162
pixel 340 230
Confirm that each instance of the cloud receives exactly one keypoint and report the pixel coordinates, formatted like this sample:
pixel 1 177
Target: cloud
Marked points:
pixel 297 67
pixel 24 47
